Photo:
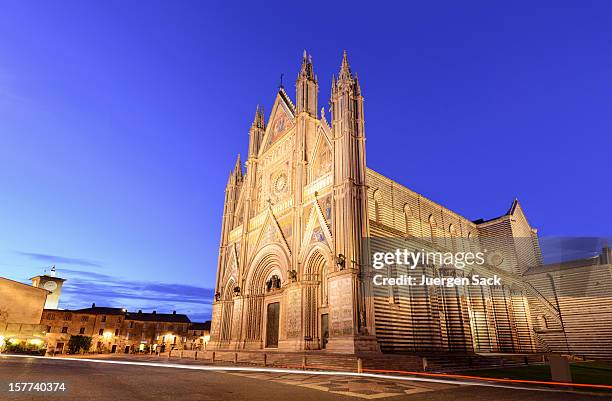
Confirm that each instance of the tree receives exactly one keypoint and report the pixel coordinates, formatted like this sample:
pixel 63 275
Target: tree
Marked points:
pixel 78 343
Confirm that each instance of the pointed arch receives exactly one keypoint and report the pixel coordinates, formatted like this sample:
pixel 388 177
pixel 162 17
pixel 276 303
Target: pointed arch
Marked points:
pixel 270 260
pixel 316 271
pixel 317 256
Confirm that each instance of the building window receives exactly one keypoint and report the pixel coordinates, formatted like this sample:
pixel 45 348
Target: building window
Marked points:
pixel 408 219
pixel 51 316
pixel 101 332
pixel 82 330
pixel 84 318
pixel 48 329
pixel 377 205
pixel 131 324
pixel 433 228
pixel 64 329
pixel 68 316
pixel 117 332
pixel 104 318
pixel 453 237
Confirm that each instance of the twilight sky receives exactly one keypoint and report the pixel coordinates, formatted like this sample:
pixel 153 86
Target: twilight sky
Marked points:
pixel 120 120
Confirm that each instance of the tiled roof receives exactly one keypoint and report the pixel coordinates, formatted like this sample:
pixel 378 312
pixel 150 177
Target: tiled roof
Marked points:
pixel 158 317
pixel 98 310
pixel 200 326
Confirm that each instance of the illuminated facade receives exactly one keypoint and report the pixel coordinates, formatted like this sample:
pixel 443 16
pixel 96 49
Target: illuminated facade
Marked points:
pixel 291 271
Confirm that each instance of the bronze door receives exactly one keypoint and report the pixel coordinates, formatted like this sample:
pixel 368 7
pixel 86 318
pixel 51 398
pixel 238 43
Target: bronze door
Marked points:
pixel 272 319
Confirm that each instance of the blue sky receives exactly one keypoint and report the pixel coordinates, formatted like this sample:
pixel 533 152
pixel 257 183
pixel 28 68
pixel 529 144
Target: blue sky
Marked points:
pixel 120 120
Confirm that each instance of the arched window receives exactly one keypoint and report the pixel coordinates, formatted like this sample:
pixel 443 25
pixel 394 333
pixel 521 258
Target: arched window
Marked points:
pixel 453 237
pixel 408 215
pixel 471 246
pixel 433 228
pixel 377 205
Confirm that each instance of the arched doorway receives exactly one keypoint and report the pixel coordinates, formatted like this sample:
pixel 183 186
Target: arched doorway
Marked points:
pixel 316 330
pixel 264 288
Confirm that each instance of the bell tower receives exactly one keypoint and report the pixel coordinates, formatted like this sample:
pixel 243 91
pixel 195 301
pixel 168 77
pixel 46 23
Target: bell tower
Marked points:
pixel 51 283
pixel 354 332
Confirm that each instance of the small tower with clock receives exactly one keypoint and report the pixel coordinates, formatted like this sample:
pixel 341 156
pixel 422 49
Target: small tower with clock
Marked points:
pixel 51 283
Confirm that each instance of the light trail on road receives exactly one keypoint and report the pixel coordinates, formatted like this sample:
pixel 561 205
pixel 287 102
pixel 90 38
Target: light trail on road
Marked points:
pixel 221 369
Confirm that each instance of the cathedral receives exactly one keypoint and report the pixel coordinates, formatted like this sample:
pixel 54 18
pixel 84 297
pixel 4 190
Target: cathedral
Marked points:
pixel 302 220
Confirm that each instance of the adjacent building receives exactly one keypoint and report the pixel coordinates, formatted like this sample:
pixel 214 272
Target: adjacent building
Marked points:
pixel 117 330
pixel 21 308
pixel 198 336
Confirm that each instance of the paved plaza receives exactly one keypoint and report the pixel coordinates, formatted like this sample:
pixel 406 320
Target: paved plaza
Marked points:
pixel 104 381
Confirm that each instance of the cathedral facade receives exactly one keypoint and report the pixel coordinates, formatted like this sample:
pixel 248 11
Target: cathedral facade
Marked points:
pixel 297 232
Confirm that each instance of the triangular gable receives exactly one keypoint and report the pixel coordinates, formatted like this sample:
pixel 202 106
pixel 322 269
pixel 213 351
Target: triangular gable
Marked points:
pixel 317 230
pixel 280 121
pixel 231 268
pixel 322 139
pixel 321 159
pixel 270 233
pixel 517 211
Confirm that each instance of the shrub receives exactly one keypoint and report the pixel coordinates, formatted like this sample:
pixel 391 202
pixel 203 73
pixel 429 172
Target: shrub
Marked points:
pixel 78 343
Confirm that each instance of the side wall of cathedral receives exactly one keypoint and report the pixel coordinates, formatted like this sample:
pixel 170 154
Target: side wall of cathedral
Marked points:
pixel 473 318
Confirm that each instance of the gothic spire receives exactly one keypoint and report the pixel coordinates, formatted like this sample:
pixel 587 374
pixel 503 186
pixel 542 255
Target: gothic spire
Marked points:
pixel 306 87
pixel 307 70
pixel 259 121
pixel 345 73
pixel 238 167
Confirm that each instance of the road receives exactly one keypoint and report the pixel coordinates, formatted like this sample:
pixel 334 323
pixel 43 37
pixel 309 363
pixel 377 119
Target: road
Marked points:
pixel 102 381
